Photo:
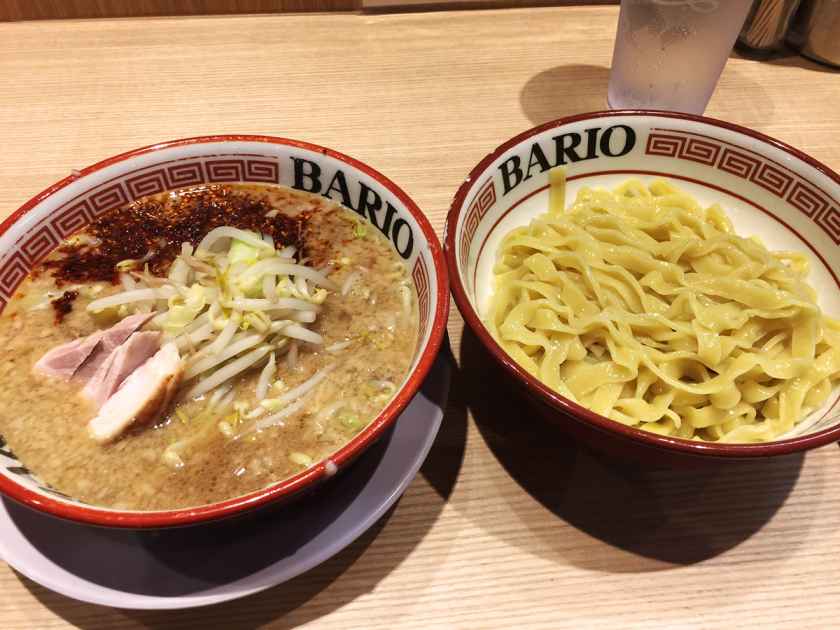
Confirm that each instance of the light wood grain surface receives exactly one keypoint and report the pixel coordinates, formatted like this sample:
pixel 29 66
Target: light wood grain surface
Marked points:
pixel 52 9
pixel 507 526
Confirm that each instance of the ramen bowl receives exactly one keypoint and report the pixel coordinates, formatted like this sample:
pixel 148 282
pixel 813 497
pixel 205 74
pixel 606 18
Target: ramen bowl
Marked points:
pixel 37 228
pixel 769 189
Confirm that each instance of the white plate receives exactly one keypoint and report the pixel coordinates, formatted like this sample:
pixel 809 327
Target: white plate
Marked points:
pixel 208 564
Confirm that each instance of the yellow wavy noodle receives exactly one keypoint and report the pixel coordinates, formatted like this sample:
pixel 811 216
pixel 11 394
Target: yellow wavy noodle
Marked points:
pixel 648 309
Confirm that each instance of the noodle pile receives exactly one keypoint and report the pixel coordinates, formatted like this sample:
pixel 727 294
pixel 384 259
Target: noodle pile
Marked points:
pixel 646 308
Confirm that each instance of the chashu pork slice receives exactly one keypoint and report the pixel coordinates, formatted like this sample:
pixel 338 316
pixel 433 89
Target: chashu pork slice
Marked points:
pixel 110 339
pixel 142 397
pixel 63 361
pixel 130 355
pixel 82 357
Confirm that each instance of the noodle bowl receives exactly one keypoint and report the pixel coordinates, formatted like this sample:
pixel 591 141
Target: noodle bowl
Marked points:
pixel 282 318
pixel 510 190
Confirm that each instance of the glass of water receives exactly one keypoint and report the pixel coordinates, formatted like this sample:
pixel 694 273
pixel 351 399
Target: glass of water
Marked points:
pixel 669 53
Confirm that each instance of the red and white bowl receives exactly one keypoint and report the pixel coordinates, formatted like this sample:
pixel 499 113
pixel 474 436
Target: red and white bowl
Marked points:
pixel 38 226
pixel 768 188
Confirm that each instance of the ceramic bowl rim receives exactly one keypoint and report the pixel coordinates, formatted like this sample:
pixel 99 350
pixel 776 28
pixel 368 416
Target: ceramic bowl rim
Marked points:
pixel 308 478
pixel 568 409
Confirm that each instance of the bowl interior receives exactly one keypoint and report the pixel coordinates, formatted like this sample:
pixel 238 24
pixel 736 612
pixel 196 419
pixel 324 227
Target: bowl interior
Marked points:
pixel 39 226
pixel 767 189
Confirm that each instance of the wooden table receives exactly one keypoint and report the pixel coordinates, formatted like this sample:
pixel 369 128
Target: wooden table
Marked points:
pixel 508 525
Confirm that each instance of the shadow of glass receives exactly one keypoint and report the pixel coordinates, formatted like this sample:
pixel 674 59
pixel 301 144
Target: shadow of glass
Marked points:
pixel 755 105
pixel 578 88
pixel 563 91
pixel 661 517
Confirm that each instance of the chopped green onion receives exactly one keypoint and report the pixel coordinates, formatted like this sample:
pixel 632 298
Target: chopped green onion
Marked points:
pixel 233 418
pixel 350 420
pixel 172 459
pixel 226 429
pixel 127 264
pixel 301 459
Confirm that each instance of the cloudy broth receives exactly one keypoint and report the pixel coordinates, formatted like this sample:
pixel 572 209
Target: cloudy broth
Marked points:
pixel 369 329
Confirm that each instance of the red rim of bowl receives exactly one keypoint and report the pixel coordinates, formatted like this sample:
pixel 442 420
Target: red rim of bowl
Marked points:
pixel 559 403
pixel 307 478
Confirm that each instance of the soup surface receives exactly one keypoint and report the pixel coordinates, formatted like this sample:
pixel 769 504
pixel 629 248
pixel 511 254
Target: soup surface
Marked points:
pixel 207 448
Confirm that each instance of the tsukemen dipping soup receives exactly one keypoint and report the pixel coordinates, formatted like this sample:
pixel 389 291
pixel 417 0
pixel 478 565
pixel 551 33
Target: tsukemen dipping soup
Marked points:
pixel 201 344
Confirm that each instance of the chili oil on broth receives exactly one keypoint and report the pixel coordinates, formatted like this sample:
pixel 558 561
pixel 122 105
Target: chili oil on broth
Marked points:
pixel 370 331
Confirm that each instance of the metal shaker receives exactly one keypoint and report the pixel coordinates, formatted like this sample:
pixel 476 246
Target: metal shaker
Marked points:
pixel 815 31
